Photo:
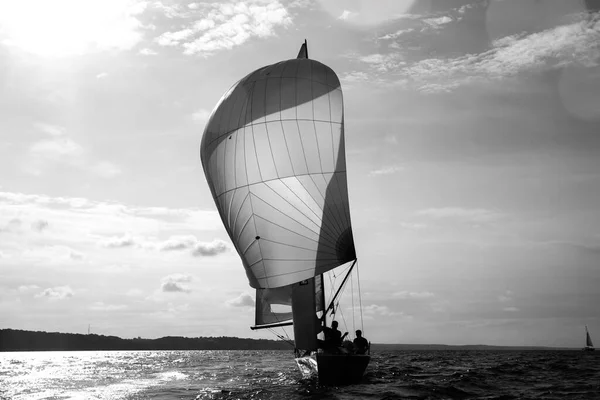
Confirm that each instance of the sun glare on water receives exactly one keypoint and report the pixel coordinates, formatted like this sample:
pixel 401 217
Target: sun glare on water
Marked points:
pixel 69 27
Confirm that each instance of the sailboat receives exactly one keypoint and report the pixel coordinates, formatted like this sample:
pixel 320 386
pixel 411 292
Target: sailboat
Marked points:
pixel 273 154
pixel 589 346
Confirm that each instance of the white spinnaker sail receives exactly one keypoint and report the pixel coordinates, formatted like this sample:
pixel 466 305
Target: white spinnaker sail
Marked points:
pixel 273 155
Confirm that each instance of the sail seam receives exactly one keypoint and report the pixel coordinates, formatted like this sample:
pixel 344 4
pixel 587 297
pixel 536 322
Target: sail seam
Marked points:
pixel 293 219
pixel 291 245
pixel 294 207
pixel 295 233
pixel 229 132
pixel 303 202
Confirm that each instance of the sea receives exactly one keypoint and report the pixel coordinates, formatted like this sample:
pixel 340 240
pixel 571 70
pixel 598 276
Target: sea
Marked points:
pixel 432 374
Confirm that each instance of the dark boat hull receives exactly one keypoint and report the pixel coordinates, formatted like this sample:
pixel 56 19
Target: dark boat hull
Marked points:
pixel 341 369
pixel 334 369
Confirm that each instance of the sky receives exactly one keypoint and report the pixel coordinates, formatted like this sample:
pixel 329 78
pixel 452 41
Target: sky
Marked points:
pixel 473 158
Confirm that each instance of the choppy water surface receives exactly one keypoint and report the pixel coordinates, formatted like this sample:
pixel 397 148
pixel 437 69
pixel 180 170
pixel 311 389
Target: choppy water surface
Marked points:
pixel 274 375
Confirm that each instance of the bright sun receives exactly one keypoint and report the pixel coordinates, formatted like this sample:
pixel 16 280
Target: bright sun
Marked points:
pixel 69 27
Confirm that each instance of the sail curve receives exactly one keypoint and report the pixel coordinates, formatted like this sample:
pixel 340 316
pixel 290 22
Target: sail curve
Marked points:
pixel 274 157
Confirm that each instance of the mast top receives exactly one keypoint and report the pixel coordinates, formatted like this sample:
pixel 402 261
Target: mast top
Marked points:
pixel 303 53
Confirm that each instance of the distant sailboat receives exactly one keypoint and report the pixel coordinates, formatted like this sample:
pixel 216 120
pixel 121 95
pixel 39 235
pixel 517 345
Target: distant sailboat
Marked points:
pixel 589 346
pixel 274 158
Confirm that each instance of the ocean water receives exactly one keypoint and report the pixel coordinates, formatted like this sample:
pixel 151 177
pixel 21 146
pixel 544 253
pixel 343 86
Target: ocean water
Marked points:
pixel 273 375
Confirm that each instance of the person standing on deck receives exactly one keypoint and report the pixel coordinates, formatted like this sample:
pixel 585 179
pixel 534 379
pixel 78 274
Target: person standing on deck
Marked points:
pixel 361 345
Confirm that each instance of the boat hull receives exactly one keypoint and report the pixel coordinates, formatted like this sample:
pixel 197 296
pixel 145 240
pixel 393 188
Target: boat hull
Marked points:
pixel 341 368
pixel 334 369
pixel 589 349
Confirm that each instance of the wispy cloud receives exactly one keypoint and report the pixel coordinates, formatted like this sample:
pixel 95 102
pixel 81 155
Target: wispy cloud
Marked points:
pixel 101 306
pixel 83 226
pixel 392 169
pixel 226 25
pixel 473 215
pixel 377 310
pixel 571 44
pixel 60 149
pixel 53 254
pixel 412 295
pixel 243 300
pixel 173 244
pixel 201 116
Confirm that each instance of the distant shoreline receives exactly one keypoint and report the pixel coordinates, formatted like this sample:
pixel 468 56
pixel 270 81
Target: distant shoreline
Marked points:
pixel 21 340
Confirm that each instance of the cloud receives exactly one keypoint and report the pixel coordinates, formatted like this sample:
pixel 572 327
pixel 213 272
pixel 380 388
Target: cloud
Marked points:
pixel 101 75
pixel 413 295
pixel 436 22
pixel 82 224
pixel 506 297
pixel 60 149
pixel 347 15
pixel 105 169
pixel 148 52
pixel 510 309
pixel 392 169
pixel 48 129
pixel 67 27
pixel 176 283
pixel 201 116
pixel 119 242
pixel 210 249
pixel 56 293
pixel 207 249
pixel 473 215
pixel 383 311
pixel 100 306
pixel 39 225
pixel 243 300
pixel 573 44
pixel 27 288
pixel 54 254
pixel 226 25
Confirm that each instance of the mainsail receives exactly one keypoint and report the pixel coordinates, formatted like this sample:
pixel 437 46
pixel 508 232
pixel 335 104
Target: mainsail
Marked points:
pixel 273 156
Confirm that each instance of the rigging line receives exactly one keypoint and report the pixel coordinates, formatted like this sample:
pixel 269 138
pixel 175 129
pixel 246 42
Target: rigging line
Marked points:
pixel 332 242
pixel 341 285
pixel 353 309
pixel 362 327
pixel 237 215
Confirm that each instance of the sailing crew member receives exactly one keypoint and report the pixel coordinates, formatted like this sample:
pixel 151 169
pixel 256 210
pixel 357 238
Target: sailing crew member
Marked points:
pixel 333 337
pixel 361 345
